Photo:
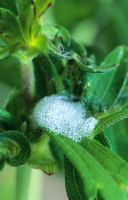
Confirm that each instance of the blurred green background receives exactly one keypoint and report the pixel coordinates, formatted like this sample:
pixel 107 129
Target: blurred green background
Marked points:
pixel 100 25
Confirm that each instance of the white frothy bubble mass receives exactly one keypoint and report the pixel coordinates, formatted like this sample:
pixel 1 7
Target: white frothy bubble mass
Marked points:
pixel 62 116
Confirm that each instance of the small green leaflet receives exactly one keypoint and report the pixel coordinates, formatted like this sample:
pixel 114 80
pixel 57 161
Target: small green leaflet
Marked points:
pixel 114 58
pixel 109 118
pixel 41 156
pixel 118 138
pixel 5 117
pixel 112 85
pixel 9 5
pixel 41 6
pixel 26 17
pixel 22 5
pixel 11 22
pixel 15 147
pixel 112 61
pixel 4 52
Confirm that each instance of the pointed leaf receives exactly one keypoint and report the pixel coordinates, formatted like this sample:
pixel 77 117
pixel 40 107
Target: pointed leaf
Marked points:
pixel 4 52
pixel 74 185
pixel 41 156
pixel 10 5
pixel 41 6
pixel 26 16
pixel 112 61
pixel 86 165
pixel 116 166
pixel 23 4
pixel 6 117
pixel 75 156
pixel 114 58
pixel 109 118
pixel 111 86
pixel 11 22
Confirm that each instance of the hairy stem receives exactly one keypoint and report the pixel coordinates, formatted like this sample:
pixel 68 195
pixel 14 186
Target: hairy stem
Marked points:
pixel 28 80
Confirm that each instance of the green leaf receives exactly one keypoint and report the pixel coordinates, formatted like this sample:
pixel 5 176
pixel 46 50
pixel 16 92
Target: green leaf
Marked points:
pixel 26 16
pixel 74 186
pixel 10 72
pixel 22 4
pixel 75 61
pixel 117 135
pixel 50 31
pixel 4 52
pixel 2 27
pixel 114 164
pixel 103 139
pixel 111 86
pixel 73 57
pixel 11 22
pixel 93 175
pixel 15 148
pixel 15 105
pixel 5 90
pixel 10 5
pixel 41 6
pixel 75 156
pixel 109 118
pixel 41 156
pixel 64 52
pixel 47 66
pixel 6 117
pixel 114 58
pixel 112 61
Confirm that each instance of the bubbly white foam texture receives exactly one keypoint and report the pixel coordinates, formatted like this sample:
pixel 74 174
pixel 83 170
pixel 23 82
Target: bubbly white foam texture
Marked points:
pixel 62 116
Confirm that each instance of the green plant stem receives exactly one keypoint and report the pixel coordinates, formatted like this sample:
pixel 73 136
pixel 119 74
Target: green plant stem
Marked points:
pixel 7 183
pixel 36 185
pixel 28 80
pixel 23 175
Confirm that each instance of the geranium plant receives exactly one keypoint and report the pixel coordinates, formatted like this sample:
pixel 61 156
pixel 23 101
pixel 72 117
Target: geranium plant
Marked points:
pixel 58 115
